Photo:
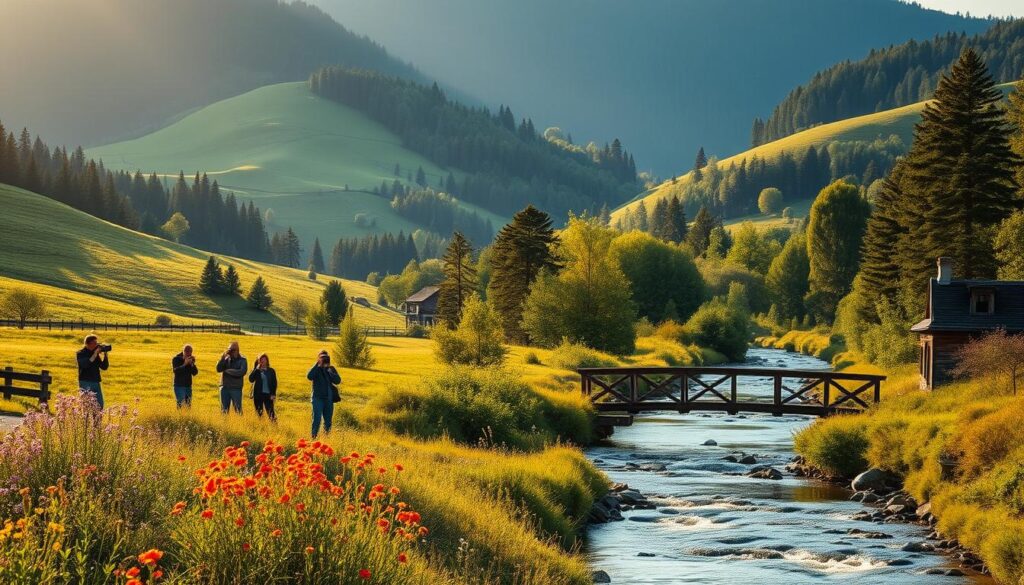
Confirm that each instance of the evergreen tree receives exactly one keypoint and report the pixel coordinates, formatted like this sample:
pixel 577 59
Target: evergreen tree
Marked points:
pixel 352 349
pixel 960 168
pixel 699 235
pixel 677 219
pixel 316 257
pixel 699 164
pixel 334 301
pixel 460 280
pixel 1015 117
pixel 879 269
pixel 641 219
pixel 211 280
pixel 259 295
pixel 232 283
pixel 519 253
pixel 661 222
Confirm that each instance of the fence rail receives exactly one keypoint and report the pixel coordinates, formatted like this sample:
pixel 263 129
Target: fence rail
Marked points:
pixel 228 328
pixel 9 377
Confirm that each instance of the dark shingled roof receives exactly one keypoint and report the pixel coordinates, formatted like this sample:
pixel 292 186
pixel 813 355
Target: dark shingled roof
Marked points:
pixel 949 307
pixel 422 294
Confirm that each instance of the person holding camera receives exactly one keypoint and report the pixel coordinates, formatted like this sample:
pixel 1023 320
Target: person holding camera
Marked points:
pixel 325 379
pixel 184 367
pixel 264 387
pixel 232 368
pixel 91 360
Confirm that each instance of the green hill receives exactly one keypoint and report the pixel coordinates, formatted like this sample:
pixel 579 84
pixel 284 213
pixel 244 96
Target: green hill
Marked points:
pixel 68 256
pixel 897 122
pixel 292 152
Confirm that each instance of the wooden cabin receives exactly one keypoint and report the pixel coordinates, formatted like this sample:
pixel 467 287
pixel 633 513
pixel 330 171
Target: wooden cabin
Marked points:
pixel 421 307
pixel 958 310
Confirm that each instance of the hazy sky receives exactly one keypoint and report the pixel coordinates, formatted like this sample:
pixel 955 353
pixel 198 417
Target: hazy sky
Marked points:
pixel 978 7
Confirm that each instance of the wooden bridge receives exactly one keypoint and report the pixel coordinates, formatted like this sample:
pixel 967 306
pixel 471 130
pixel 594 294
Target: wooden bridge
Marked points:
pixel 687 389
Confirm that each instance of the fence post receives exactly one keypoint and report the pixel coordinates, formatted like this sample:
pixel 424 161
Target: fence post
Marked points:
pixel 44 387
pixel 878 391
pixel 8 382
pixel 778 395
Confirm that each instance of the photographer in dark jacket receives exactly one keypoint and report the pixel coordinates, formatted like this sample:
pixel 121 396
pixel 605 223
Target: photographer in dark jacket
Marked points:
pixel 323 376
pixel 232 368
pixel 264 387
pixel 184 367
pixel 91 360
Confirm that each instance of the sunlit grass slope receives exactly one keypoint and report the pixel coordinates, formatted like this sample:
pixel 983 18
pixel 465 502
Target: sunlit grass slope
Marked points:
pixel 290 151
pixel 898 121
pixel 47 243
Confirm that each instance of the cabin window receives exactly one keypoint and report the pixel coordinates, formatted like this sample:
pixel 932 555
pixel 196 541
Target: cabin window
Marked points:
pixel 982 303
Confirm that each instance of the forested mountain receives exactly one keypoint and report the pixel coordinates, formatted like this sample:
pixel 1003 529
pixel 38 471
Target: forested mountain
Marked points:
pixel 117 68
pixel 508 163
pixel 889 78
pixel 665 76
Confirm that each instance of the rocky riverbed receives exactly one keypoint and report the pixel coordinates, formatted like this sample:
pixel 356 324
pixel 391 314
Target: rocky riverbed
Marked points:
pixel 707 498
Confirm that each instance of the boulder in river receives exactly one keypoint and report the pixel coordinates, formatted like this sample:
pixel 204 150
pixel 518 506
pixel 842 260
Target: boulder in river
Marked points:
pixel 748 460
pixel 874 479
pixel 917 547
pixel 601 577
pixel 765 472
pixel 710 443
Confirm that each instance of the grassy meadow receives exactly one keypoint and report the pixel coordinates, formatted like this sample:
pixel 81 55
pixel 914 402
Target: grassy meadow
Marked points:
pixel 291 152
pixel 135 276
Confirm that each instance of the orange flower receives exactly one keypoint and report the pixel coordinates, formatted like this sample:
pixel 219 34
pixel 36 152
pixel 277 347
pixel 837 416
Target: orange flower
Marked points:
pixel 240 461
pixel 423 531
pixel 157 574
pixel 134 582
pixel 178 509
pixel 309 550
pixel 398 467
pixel 276 532
pixel 132 572
pixel 151 557
pixel 239 521
pixel 403 558
pixel 207 514
pixel 181 458
pixel 245 443
pixel 364 574
pixel 285 498
pixel 395 491
pixel 246 546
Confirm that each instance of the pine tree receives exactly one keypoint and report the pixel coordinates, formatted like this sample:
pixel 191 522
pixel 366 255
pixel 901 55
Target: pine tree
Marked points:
pixel 641 220
pixel 259 295
pixel 460 280
pixel 1015 117
pixel 960 167
pixel 211 281
pixel 334 301
pixel 316 257
pixel 699 235
pixel 291 249
pixel 521 250
pixel 879 268
pixel 352 349
pixel 699 164
pixel 677 218
pixel 661 223
pixel 232 283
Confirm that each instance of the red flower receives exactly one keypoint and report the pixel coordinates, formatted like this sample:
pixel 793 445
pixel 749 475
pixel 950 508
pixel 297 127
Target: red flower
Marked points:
pixel 398 467
pixel 134 582
pixel 132 572
pixel 403 558
pixel 207 514
pixel 309 550
pixel 157 574
pixel 276 532
pixel 364 574
pixel 151 557
pixel 239 521
pixel 246 546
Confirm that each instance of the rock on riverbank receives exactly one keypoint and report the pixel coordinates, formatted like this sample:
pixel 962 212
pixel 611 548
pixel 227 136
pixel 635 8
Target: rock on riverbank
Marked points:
pixel 619 499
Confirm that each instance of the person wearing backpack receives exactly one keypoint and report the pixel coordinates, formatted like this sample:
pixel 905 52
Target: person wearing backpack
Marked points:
pixel 324 378
pixel 264 387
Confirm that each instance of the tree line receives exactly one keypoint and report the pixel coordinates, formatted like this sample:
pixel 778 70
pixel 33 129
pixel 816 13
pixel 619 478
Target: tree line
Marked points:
pixel 196 213
pixel 508 164
pixel 438 212
pixel 355 258
pixel 889 78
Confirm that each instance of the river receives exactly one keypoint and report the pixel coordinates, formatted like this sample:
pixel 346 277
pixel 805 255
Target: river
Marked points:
pixel 714 525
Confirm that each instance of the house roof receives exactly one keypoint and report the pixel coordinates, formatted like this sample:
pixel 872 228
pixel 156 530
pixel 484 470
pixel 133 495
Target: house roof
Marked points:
pixel 423 294
pixel 949 307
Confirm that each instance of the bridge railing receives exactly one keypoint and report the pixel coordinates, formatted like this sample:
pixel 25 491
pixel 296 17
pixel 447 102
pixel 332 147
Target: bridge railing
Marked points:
pixel 685 389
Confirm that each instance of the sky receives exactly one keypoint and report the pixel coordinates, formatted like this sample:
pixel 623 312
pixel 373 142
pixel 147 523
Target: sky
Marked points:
pixel 978 7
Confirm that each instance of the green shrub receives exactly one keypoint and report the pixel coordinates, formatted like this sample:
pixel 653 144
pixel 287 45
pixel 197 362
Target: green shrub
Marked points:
pixel 531 358
pixel 162 320
pixel 720 327
pixel 417 332
pixel 573 356
pixel 837 445
pixel 479 406
pixel 476 342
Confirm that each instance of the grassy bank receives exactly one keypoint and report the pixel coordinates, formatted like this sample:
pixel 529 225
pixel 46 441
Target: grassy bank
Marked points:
pixel 975 423
pixel 816 342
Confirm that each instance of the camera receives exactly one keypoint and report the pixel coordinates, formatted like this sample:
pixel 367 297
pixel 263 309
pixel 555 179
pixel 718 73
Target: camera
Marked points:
pixel 105 348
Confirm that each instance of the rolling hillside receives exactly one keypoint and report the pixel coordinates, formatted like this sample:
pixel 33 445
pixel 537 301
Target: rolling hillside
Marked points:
pixel 68 256
pixel 897 122
pixel 293 153
pixel 664 76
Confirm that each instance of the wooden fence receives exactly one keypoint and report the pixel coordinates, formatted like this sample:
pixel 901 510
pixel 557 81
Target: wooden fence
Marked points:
pixel 227 328
pixel 42 379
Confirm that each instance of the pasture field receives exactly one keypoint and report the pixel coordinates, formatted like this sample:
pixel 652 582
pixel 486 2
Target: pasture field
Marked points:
pixel 291 152
pixel 800 210
pixel 52 248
